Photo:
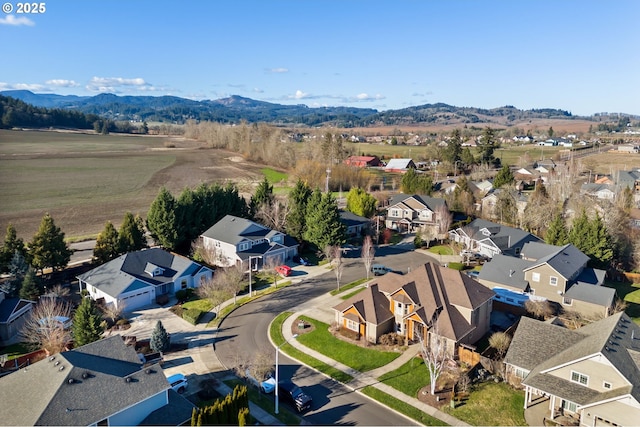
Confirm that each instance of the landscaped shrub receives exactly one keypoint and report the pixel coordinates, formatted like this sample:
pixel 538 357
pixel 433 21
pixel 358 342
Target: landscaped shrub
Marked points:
pixel 162 299
pixel 184 295
pixel 456 266
pixel 391 339
pixel 192 315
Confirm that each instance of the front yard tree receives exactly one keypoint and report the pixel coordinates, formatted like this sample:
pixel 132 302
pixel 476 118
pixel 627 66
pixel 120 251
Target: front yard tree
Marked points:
pixel 30 289
pixel 324 227
pixel 453 151
pixel 48 248
pixel 334 254
pixel 131 236
pixel 11 244
pixel 161 219
pixel 298 198
pixel 434 354
pixel 160 340
pixel 368 252
pixel 87 321
pixel 18 268
pixel 214 290
pixel 361 203
pixel 42 330
pixel 262 196
pixel 107 244
pixel 504 177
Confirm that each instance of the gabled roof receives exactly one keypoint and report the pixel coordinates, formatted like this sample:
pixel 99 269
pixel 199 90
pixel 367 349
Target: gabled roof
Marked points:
pixel 417 201
pixel 9 307
pixel 79 387
pixel 128 271
pixel 505 270
pixel 232 229
pixel 371 305
pixel 502 236
pixel 567 260
pixel 614 337
pixel 400 164
pixel 350 219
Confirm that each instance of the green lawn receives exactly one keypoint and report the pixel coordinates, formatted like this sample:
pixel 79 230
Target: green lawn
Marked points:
pixel 402 407
pixel 491 404
pixel 350 294
pixel 276 335
pixel 348 286
pixel 408 378
pixel 441 250
pixel 267 402
pixel 273 176
pixel 630 292
pixel 15 350
pixel 203 305
pixel 357 357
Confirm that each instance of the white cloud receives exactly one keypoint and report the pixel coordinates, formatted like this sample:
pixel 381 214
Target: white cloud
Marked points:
pixel 364 97
pixel 12 20
pixel 257 90
pixel 277 70
pixel 117 84
pixel 22 86
pixel 61 83
pixel 300 95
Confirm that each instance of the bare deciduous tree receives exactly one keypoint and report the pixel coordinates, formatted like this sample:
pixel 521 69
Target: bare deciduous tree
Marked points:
pixel 334 254
pixel 368 252
pixel 60 291
pixel 500 342
pixel 428 233
pixel 261 363
pixel 274 215
pixel 433 354
pixel 43 328
pixel 269 268
pixel 215 291
pixel 113 312
pixel 539 309
pixel 207 254
pixel 443 221
pixel 233 279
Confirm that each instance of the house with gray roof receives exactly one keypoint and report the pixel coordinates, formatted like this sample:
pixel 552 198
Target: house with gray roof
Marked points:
pixel 490 203
pixel 599 191
pixel 236 241
pixel 546 272
pixel 408 213
pixel 356 225
pixel 399 165
pixel 430 301
pixel 13 314
pixel 590 374
pixel 102 383
pixel 490 238
pixel 136 279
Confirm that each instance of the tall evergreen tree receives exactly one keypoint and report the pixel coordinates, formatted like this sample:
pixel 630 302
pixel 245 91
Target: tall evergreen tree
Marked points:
pixel 30 288
pixel 188 219
pixel 107 244
pixel 504 177
pixel 409 182
pixel 160 340
pixel 466 157
pixel 599 242
pixel 453 152
pixel 161 219
pixel 48 248
pixel 361 203
pixel 87 323
pixel 11 244
pixel 557 233
pixel 298 198
pixel 579 233
pixel 263 195
pixel 324 227
pixel 131 236
pixel 487 144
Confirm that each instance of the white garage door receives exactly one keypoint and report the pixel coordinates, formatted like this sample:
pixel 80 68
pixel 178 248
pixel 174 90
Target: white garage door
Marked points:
pixel 139 299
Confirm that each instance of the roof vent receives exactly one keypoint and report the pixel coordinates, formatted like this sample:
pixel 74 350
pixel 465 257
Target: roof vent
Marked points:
pixel 71 381
pixel 607 348
pixel 85 375
pixel 52 358
pixel 128 379
pixel 148 371
pixel 57 363
pixel 61 368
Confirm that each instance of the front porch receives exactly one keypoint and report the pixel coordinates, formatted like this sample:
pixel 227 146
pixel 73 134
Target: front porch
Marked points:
pixel 540 409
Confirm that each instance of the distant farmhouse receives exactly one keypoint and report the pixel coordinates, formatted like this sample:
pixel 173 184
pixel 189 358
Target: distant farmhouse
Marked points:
pixel 399 165
pixel 362 161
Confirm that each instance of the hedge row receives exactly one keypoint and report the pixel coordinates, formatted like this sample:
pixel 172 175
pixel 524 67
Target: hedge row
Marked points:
pixel 192 315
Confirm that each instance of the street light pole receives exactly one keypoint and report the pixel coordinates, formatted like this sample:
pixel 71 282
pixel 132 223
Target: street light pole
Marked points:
pixel 251 258
pixel 277 352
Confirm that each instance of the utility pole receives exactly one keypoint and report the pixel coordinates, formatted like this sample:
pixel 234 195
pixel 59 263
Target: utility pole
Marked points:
pixel 326 187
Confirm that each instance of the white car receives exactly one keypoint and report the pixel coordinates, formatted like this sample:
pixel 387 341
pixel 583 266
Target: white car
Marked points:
pixel 178 383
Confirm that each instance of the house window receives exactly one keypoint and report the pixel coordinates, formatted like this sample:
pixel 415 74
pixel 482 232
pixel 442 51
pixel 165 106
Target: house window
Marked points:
pixel 243 246
pixel 406 309
pixel 353 326
pixel 183 284
pixel 606 385
pixel 521 373
pixel 535 277
pixel 517 251
pixel 579 378
pixel 553 281
pixel 395 212
pixel 569 406
pixel 567 301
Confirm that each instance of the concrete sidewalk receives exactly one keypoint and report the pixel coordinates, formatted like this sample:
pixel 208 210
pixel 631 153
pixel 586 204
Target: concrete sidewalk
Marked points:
pixel 364 379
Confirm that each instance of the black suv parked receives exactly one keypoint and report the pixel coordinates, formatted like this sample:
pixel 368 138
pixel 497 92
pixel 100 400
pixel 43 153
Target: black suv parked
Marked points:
pixel 295 395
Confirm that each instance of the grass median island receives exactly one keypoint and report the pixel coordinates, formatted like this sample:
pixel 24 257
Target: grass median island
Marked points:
pixel 267 402
pixel 357 357
pixel 275 332
pixel 403 407
pixel 408 378
pixel 491 404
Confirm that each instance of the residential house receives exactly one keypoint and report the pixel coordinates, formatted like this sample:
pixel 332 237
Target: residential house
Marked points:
pixel 545 166
pixel 399 165
pixel 447 186
pixel 599 191
pixel 362 161
pixel 136 279
pixel 13 314
pixel 480 188
pixel 591 374
pixel 489 203
pixel 408 213
pixel 102 383
pixel 490 239
pixel 629 179
pixel 604 179
pixel 523 138
pixel 429 301
pixel 236 241
pixel 546 272
pixel 629 148
pixel 356 225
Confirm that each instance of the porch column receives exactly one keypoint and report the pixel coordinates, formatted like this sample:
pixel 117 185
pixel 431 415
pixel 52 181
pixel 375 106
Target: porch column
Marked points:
pixel 553 406
pixel 527 397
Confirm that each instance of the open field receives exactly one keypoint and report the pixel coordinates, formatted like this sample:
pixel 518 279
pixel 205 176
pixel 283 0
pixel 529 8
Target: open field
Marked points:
pixel 83 180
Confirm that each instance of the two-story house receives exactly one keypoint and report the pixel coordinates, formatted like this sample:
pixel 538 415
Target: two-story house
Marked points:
pixel 408 213
pixel 100 384
pixel 591 374
pixel 13 314
pixel 428 300
pixel 235 241
pixel 136 279
pixel 490 239
pixel 546 272
pixel 490 202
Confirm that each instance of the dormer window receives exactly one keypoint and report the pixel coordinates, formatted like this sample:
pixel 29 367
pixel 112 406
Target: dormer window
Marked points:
pixel 243 246
pixel 153 270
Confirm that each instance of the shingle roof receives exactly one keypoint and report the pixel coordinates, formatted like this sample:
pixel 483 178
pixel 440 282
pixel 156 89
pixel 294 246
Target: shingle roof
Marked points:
pixel 232 229
pixel 430 202
pixel 542 349
pixel 371 304
pixel 567 260
pixel 350 219
pixel 9 306
pixel 593 294
pixel 504 237
pixel 127 272
pixel 78 387
pixel 400 164
pixel 505 270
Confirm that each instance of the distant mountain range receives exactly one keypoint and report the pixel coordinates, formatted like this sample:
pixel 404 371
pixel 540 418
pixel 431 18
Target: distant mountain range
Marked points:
pixel 236 108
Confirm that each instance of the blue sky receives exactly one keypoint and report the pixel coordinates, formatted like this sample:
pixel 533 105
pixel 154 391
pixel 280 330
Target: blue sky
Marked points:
pixel 582 55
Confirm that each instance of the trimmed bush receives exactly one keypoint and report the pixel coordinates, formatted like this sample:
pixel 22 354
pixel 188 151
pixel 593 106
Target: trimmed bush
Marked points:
pixel 456 266
pixel 192 315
